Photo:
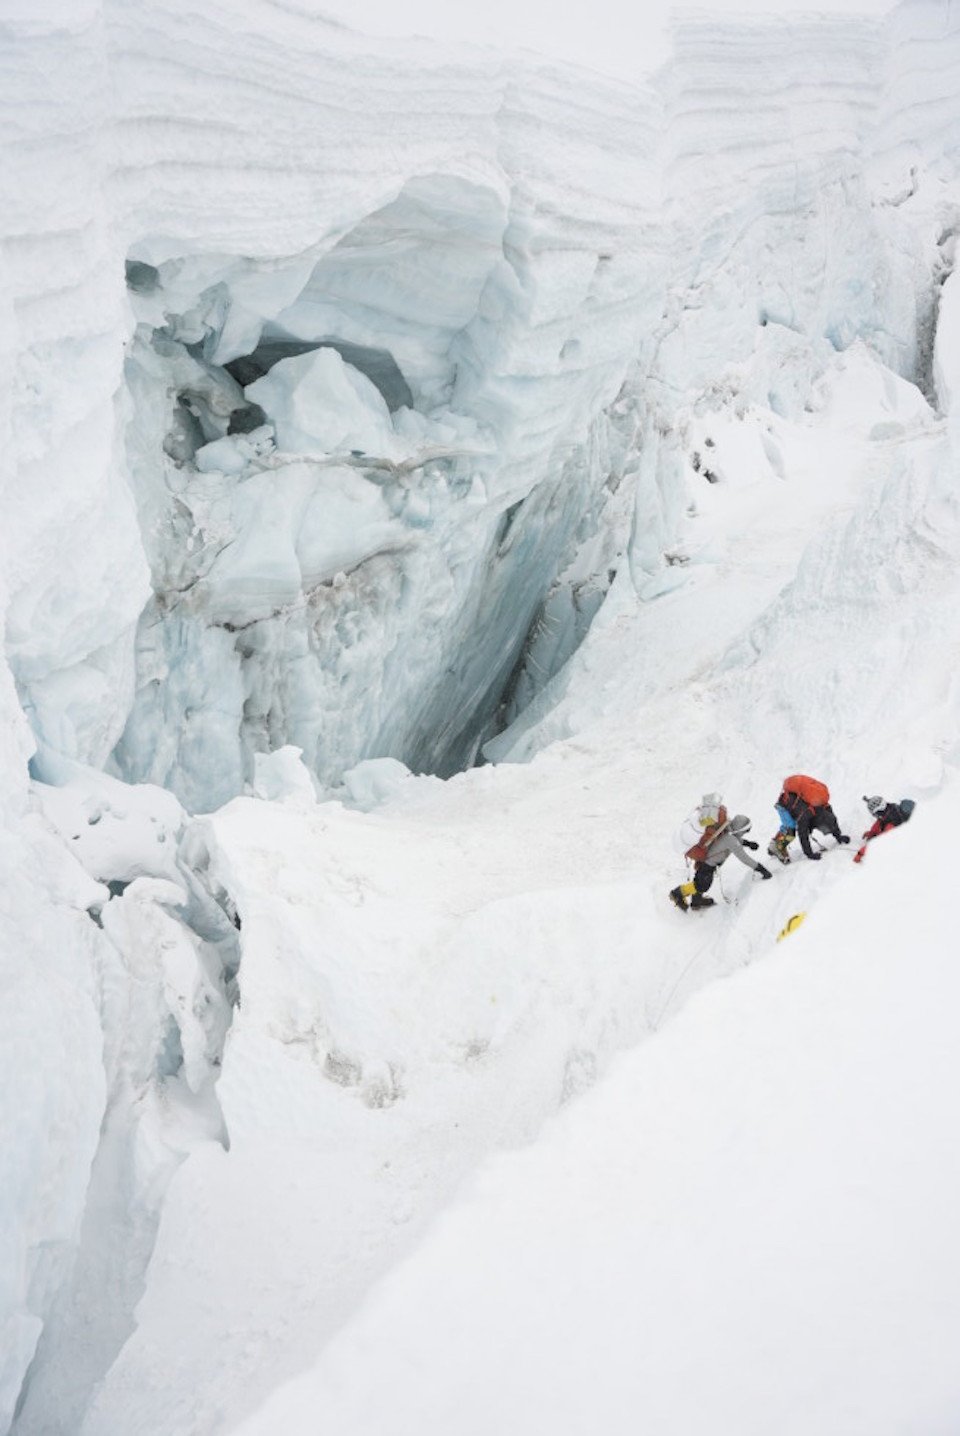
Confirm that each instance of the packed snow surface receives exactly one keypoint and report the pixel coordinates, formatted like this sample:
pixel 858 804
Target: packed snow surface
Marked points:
pixel 371 406
pixel 749 1226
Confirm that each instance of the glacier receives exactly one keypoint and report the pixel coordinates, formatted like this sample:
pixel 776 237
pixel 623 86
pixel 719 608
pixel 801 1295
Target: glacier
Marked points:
pixel 374 409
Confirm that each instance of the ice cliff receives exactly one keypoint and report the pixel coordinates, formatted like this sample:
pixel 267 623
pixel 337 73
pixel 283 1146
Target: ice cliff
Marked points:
pixel 345 382
pixel 497 278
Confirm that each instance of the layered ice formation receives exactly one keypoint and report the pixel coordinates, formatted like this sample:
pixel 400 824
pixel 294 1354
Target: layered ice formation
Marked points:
pixel 368 525
pixel 391 353
pixel 369 406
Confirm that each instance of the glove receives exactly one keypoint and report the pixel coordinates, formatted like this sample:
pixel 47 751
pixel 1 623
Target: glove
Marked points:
pixel 747 844
pixel 764 872
pixel 814 857
pixel 844 838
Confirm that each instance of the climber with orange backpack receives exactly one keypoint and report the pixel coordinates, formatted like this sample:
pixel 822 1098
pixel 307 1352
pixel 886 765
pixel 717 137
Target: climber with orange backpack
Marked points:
pixel 803 807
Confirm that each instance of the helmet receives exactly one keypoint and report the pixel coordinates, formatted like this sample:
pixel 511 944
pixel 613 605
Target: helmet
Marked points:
pixel 740 824
pixel 873 804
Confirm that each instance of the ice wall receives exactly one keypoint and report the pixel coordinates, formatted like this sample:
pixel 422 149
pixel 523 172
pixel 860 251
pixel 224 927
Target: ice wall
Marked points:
pixel 378 600
pixel 519 246
pixel 52 1087
pixel 550 311
pixel 360 580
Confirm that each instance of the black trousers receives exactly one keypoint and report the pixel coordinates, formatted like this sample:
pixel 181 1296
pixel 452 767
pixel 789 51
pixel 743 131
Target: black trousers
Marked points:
pixel 826 821
pixel 821 820
pixel 703 877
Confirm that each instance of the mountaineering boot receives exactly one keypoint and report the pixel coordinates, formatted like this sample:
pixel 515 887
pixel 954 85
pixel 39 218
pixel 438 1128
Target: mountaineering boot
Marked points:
pixel 777 848
pixel 698 900
pixel 678 899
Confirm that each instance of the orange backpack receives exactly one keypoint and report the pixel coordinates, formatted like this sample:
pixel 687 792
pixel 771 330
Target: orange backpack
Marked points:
pixel 698 852
pixel 809 789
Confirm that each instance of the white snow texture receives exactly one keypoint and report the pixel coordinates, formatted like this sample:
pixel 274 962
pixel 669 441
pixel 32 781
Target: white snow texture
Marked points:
pixel 372 408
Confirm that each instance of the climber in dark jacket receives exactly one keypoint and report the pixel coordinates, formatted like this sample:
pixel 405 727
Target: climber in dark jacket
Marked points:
pixel 803 807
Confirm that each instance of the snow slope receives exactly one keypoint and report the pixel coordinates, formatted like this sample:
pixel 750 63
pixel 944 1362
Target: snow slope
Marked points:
pixel 749 1226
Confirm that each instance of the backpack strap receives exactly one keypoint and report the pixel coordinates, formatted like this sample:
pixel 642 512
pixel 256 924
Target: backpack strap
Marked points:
pixel 720 828
pixel 698 852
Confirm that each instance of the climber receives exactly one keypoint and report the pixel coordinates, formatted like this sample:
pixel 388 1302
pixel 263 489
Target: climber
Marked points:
pixel 803 806
pixel 885 816
pixel 699 830
pixel 730 840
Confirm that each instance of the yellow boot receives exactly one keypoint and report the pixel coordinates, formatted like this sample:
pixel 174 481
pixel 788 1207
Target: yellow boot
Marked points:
pixel 678 896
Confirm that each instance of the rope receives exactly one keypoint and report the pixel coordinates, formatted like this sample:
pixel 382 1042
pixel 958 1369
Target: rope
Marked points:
pixel 672 993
